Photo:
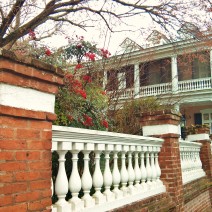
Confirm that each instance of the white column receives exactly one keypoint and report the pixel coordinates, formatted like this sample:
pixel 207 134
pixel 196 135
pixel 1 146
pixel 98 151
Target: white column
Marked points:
pixel 211 61
pixel 104 79
pixel 174 74
pixel 136 81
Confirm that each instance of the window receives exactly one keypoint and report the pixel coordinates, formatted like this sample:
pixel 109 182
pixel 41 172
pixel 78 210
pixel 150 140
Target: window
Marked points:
pixel 112 81
pixel 193 66
pixel 198 118
pixel 207 117
pixel 155 72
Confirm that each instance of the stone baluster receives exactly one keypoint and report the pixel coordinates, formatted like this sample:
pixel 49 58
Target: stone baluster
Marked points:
pixel 193 160
pixel 153 167
pixel 143 169
pixel 182 162
pixel 158 170
pixel 137 169
pixel 97 175
pixel 75 181
pixel 148 167
pixel 186 163
pixel 86 177
pixel 52 186
pixel 61 183
pixel 200 170
pixel 116 174
pixel 108 179
pixel 131 172
pixel 124 173
pixel 189 162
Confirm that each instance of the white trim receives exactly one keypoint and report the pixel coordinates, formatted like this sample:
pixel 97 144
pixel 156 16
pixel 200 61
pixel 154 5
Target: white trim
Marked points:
pixel 136 80
pixel 174 71
pixel 160 129
pixel 26 98
pixel 198 137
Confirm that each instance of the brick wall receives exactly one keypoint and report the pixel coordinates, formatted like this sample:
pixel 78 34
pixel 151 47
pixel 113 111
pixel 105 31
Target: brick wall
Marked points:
pixel 197 195
pixel 27 88
pixel 200 203
pixel 162 202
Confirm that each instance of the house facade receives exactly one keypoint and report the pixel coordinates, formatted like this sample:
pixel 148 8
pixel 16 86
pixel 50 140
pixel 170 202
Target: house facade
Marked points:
pixel 179 73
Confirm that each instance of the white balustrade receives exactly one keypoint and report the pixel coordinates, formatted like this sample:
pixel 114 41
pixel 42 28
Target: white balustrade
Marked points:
pixel 128 172
pixel 122 94
pixel 194 84
pixel 191 164
pixel 153 90
pixel 164 88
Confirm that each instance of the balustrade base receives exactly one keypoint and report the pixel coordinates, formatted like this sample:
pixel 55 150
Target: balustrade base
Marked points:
pixel 62 207
pixel 88 201
pixel 76 204
pixel 126 200
pixel 110 196
pixel 99 198
pixel 103 205
pixel 187 179
pixel 118 193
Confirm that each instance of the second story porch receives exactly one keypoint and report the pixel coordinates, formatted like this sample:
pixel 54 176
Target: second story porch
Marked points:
pixel 174 74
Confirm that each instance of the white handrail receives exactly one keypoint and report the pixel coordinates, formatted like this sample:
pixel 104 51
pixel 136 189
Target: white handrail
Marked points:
pixel 129 161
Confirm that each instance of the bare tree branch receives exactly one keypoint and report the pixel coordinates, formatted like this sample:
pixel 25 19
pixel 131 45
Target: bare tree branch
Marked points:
pixel 165 14
pixel 11 15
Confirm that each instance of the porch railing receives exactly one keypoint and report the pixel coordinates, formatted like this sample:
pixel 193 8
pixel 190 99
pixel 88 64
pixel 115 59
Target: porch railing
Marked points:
pixel 126 93
pixel 115 170
pixel 152 90
pixel 191 164
pixel 194 84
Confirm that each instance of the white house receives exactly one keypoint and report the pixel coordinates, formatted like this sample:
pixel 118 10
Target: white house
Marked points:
pixel 179 71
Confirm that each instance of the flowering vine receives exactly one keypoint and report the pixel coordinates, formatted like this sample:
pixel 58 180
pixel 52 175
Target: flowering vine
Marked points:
pixel 82 100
